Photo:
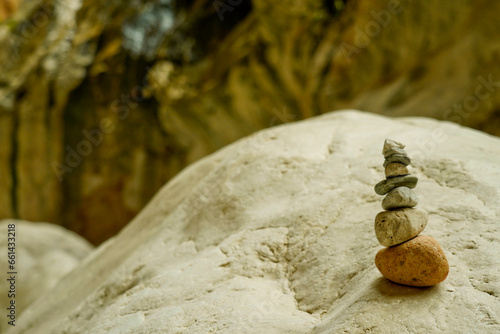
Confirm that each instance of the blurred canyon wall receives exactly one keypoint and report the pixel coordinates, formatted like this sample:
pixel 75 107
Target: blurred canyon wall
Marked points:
pixel 102 102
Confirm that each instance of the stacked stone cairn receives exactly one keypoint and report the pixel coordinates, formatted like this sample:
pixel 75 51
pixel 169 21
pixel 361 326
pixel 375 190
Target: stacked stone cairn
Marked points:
pixel 410 258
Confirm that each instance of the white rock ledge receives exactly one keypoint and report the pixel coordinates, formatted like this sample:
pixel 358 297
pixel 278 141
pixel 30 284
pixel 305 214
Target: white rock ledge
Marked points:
pixel 44 253
pixel 274 234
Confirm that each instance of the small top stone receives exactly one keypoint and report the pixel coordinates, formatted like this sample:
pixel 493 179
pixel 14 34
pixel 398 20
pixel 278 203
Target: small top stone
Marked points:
pixel 394 151
pixel 389 145
pixel 401 158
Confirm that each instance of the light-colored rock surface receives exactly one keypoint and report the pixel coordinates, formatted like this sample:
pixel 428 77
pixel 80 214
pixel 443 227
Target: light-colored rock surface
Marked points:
pixel 400 197
pixel 396 169
pixel 274 234
pixel 418 262
pixel 397 226
pixel 44 254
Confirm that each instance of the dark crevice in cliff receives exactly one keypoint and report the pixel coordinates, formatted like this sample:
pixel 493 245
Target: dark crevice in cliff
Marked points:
pixel 199 27
pixel 334 6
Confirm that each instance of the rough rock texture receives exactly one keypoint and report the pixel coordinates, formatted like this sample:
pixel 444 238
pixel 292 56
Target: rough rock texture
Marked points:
pixel 397 226
pixel 64 78
pixel 274 234
pixel 177 91
pixel 44 254
pixel 418 262
pixel 7 7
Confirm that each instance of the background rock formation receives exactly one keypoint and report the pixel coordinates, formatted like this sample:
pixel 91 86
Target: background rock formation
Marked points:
pixel 274 234
pixel 44 254
pixel 178 80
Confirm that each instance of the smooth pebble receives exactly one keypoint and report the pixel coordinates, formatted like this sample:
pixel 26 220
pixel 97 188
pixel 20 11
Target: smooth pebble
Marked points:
pixel 384 186
pixel 418 262
pixel 400 197
pixel 394 150
pixel 391 144
pixel 396 169
pixel 397 226
pixel 401 158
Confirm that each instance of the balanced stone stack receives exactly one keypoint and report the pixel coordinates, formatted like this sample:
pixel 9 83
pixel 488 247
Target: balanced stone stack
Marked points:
pixel 410 258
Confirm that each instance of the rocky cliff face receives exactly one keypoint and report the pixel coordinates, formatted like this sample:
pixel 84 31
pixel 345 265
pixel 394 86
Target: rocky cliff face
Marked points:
pixel 274 234
pixel 77 146
pixel 102 102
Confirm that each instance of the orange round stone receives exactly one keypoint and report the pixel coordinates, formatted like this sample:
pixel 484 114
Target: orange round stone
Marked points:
pixel 417 262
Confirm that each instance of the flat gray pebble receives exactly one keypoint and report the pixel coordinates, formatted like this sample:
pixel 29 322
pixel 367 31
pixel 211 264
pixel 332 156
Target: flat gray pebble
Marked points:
pixel 401 158
pixel 400 197
pixel 394 150
pixel 383 187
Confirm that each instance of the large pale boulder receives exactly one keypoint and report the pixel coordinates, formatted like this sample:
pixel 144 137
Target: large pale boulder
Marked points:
pixel 44 253
pixel 274 234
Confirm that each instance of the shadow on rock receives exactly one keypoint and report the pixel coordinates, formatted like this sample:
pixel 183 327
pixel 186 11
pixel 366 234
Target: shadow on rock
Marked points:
pixel 391 289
